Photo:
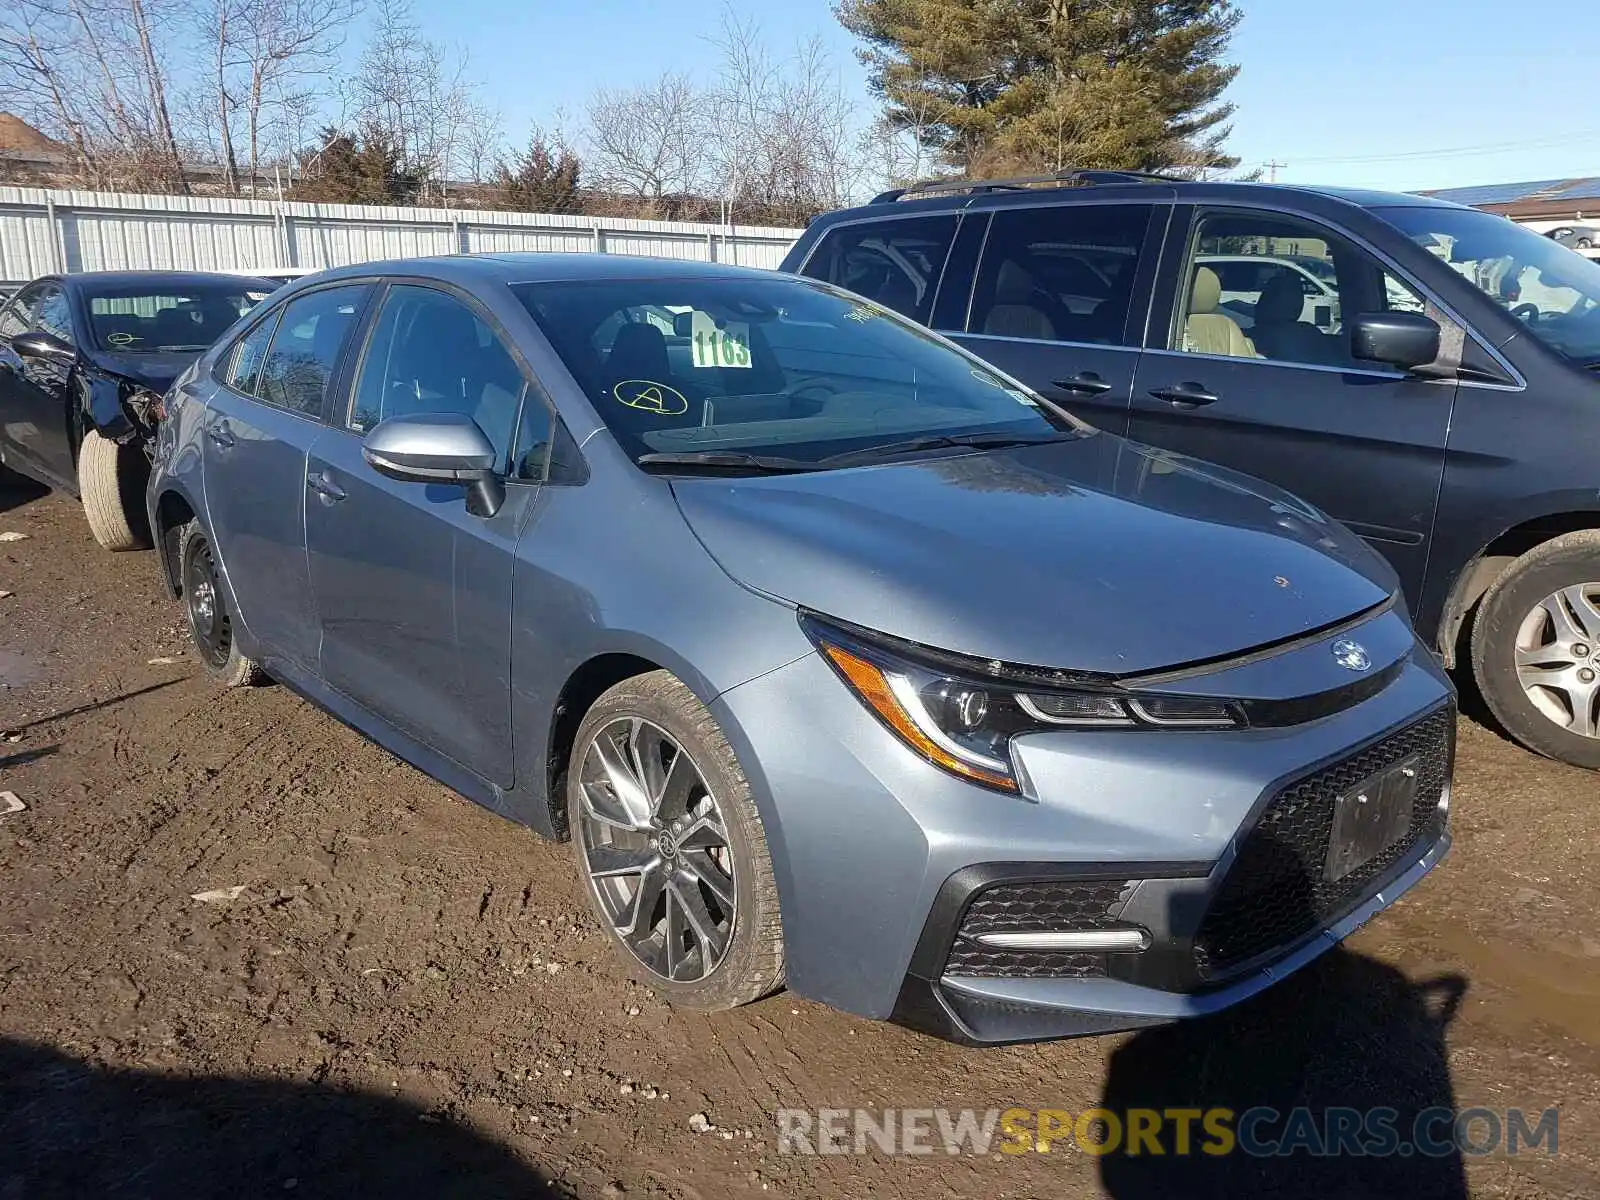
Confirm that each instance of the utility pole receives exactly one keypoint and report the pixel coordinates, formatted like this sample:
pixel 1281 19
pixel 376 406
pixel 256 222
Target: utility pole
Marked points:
pixel 1272 169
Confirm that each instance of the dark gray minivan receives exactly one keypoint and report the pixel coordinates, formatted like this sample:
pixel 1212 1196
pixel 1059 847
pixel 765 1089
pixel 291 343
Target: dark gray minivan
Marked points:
pixel 1424 373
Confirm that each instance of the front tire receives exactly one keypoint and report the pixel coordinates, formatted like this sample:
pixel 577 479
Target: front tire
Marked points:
pixel 111 485
pixel 205 603
pixel 672 849
pixel 1536 649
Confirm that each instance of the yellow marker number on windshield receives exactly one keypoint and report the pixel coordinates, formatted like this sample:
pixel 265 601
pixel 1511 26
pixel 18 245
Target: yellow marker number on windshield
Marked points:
pixel 724 346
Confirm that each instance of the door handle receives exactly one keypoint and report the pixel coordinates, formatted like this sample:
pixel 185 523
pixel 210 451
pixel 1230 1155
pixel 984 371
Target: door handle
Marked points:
pixel 220 434
pixel 327 489
pixel 1185 395
pixel 1086 383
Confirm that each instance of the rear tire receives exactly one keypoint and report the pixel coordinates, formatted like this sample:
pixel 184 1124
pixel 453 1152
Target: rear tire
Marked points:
pixel 1536 648
pixel 710 936
pixel 110 483
pixel 205 603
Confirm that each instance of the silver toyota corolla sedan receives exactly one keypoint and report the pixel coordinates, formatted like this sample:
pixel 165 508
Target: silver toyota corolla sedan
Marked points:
pixel 847 662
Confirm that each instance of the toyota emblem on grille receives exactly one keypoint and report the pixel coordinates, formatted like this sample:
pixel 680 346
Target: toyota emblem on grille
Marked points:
pixel 1352 656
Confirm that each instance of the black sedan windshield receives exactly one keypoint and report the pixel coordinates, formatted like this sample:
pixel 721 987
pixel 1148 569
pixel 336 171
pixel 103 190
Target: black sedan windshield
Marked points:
pixel 137 319
pixel 741 369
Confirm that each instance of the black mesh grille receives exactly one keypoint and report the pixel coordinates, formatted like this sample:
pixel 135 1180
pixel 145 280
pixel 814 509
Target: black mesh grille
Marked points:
pixel 1276 891
pixel 1032 908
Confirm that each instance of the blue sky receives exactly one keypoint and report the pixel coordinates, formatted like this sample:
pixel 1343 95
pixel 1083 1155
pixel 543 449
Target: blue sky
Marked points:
pixel 1384 93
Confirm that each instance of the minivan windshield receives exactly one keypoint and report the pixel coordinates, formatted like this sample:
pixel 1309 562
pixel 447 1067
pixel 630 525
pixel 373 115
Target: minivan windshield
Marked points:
pixel 1553 290
pixel 732 370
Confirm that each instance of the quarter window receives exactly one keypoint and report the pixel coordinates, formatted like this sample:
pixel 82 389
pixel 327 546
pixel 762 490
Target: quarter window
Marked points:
pixel 895 263
pixel 244 369
pixel 430 354
pixel 306 346
pixel 1063 273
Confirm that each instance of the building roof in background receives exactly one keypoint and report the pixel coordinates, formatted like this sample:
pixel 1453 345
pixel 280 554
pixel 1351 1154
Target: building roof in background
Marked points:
pixel 17 134
pixel 1538 198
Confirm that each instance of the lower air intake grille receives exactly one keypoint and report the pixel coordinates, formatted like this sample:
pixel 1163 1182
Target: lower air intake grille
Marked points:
pixel 1276 892
pixel 1036 908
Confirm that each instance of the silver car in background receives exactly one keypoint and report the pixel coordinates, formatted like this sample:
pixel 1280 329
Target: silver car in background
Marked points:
pixel 846 662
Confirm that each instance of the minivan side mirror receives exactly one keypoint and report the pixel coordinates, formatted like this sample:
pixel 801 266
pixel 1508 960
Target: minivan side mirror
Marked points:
pixel 36 343
pixel 438 448
pixel 1397 339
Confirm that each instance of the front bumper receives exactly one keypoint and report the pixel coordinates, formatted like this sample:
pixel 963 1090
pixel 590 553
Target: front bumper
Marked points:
pixel 876 851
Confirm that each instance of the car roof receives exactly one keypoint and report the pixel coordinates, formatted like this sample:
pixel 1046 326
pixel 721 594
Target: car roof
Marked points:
pixel 89 280
pixel 998 195
pixel 548 267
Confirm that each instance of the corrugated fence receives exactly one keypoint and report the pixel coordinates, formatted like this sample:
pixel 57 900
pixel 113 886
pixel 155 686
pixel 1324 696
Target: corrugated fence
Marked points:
pixel 47 230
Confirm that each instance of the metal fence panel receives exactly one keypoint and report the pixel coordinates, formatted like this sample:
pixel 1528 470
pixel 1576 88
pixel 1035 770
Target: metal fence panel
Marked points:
pixel 45 230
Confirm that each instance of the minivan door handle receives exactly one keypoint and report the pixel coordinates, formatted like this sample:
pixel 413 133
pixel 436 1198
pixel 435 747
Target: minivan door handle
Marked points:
pixel 1087 383
pixel 1185 395
pixel 219 433
pixel 327 489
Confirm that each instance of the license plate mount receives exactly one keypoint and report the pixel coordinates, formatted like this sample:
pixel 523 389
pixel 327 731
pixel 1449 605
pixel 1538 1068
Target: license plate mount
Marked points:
pixel 1371 817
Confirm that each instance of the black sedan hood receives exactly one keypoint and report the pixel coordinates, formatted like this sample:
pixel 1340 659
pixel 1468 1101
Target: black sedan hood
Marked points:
pixel 1092 554
pixel 155 370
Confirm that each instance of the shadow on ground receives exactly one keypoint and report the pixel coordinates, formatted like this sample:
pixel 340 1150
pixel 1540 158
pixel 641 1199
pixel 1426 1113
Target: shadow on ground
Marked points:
pixel 1348 1043
pixel 17 490
pixel 74 1130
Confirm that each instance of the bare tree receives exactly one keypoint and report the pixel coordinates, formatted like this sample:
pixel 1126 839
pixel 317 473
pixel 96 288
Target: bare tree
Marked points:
pixel 787 145
pixel 418 93
pixel 647 142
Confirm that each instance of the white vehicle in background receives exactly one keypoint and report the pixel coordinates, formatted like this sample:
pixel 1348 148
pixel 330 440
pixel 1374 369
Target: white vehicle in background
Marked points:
pixel 1245 276
pixel 277 275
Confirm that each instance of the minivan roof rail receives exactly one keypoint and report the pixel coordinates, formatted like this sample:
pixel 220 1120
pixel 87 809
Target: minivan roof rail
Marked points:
pixel 1073 177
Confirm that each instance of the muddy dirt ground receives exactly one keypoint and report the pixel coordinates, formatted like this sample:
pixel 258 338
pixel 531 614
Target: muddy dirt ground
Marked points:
pixel 408 997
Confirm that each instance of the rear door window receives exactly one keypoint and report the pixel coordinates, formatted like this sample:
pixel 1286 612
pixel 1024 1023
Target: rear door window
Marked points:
pixel 18 316
pixel 895 263
pixel 1061 273
pixel 306 346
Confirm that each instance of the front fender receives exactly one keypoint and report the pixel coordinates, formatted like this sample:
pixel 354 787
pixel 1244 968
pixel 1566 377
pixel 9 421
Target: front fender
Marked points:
pixel 104 411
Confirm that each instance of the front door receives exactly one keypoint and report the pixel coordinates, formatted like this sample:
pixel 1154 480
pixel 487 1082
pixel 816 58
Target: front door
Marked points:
pixel 1056 303
pixel 414 591
pixel 1261 382
pixel 259 428
pixel 36 419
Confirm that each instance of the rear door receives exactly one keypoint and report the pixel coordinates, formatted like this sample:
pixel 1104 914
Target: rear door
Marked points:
pixel 1059 300
pixel 414 591
pixel 259 427
pixel 1267 386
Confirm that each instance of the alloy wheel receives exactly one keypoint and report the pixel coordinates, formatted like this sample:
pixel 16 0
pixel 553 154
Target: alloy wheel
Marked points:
pixel 655 847
pixel 208 615
pixel 1558 658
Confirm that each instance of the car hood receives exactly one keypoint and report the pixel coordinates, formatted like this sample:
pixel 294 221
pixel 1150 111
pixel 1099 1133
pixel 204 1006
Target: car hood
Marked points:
pixel 1092 554
pixel 155 371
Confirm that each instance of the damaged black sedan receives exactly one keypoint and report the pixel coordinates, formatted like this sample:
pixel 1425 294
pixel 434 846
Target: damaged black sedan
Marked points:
pixel 84 362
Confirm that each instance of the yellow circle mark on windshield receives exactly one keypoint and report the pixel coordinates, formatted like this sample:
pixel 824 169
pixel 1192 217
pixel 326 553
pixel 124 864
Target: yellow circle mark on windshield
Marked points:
pixel 651 397
pixel 121 339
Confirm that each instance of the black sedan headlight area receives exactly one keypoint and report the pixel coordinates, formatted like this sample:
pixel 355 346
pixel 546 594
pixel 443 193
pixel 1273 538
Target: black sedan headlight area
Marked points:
pixel 961 713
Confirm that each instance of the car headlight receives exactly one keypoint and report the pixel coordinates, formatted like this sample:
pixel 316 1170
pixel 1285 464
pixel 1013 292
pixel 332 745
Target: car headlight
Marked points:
pixel 961 713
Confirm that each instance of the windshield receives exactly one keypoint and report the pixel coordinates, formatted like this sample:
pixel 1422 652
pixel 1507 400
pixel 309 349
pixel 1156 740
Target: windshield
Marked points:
pixel 1553 290
pixel 135 319
pixel 777 366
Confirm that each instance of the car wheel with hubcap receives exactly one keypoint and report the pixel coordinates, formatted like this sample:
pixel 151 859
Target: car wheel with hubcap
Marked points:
pixel 1536 648
pixel 205 603
pixel 672 848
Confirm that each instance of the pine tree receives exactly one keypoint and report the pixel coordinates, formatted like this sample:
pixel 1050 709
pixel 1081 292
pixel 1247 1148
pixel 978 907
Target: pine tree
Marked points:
pixel 543 179
pixel 356 168
pixel 996 86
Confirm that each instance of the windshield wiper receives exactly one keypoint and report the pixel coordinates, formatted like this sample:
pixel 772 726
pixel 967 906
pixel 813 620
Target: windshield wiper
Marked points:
pixel 941 441
pixel 725 460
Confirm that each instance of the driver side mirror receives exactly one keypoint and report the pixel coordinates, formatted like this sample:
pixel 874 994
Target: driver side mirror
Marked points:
pixel 438 448
pixel 36 343
pixel 1397 339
